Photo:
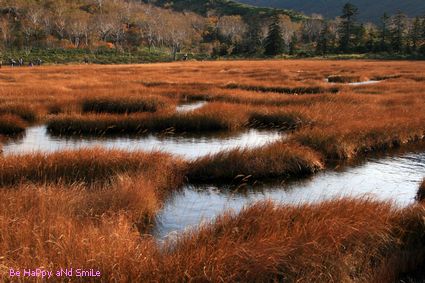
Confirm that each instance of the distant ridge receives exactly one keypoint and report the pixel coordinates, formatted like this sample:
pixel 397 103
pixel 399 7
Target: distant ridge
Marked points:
pixel 369 10
pixel 225 7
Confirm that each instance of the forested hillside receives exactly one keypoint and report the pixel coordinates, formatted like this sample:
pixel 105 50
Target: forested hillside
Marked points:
pixel 225 7
pixel 369 10
pixel 118 31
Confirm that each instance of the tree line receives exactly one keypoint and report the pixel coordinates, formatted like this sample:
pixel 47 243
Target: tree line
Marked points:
pixel 131 25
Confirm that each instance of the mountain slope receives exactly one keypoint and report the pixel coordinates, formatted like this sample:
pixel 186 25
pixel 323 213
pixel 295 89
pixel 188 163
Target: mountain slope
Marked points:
pixel 225 7
pixel 369 10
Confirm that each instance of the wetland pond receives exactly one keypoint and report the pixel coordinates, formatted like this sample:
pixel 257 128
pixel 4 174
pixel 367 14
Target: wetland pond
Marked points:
pixel 37 139
pixel 392 177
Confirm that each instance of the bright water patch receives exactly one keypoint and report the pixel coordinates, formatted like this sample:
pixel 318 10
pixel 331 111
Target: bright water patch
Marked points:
pixel 392 178
pixel 189 107
pixel 37 139
pixel 370 82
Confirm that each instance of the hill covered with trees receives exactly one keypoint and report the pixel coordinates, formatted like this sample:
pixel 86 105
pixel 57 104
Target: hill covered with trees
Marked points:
pixel 118 31
pixel 225 7
pixel 369 10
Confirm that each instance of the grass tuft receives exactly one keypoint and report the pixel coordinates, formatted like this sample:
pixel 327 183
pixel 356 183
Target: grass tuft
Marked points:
pixel 280 159
pixel 26 113
pixel 344 79
pixel 11 125
pixel 88 166
pixel 333 241
pixel 209 119
pixel 420 196
pixel 285 90
pixel 281 120
pixel 125 105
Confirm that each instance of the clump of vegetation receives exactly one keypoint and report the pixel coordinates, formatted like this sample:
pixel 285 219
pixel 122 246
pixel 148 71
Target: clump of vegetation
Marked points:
pixel 264 242
pixel 347 143
pixel 90 228
pixel 210 119
pixel 281 120
pixel 285 90
pixel 24 112
pixel 327 242
pixel 11 125
pixel 126 105
pixel 87 166
pixel 280 159
pixel 385 77
pixel 138 197
pixel 420 196
pixel 344 79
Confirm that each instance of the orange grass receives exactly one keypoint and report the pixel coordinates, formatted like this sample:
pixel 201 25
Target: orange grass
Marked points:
pixel 24 112
pixel 88 208
pixel 88 166
pixel 121 105
pixel 361 138
pixel 11 125
pixel 281 120
pixel 335 241
pixel 208 119
pixel 381 109
pixel 285 90
pixel 54 227
pixel 279 159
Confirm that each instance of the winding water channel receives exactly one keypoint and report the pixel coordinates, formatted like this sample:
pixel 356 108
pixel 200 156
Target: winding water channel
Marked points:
pixel 392 178
pixel 37 139
pixel 395 178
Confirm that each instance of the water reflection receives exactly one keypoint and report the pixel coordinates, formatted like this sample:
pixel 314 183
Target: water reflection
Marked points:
pixel 370 82
pixel 390 178
pixel 188 107
pixel 37 139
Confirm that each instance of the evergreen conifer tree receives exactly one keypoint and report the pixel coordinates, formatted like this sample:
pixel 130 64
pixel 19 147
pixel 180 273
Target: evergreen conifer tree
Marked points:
pixel 348 27
pixel 384 32
pixel 323 43
pixel 274 43
pixel 398 32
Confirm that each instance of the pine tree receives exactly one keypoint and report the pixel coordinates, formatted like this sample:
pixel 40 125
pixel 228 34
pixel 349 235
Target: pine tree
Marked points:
pixel 415 34
pixel 274 43
pixel 253 41
pixel 398 32
pixel 347 28
pixel 293 44
pixel 422 37
pixel 361 38
pixel 384 32
pixel 372 42
pixel 323 43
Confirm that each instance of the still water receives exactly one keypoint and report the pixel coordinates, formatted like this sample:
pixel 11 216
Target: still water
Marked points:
pixel 36 139
pixel 368 82
pixel 391 178
pixel 394 178
pixel 189 107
